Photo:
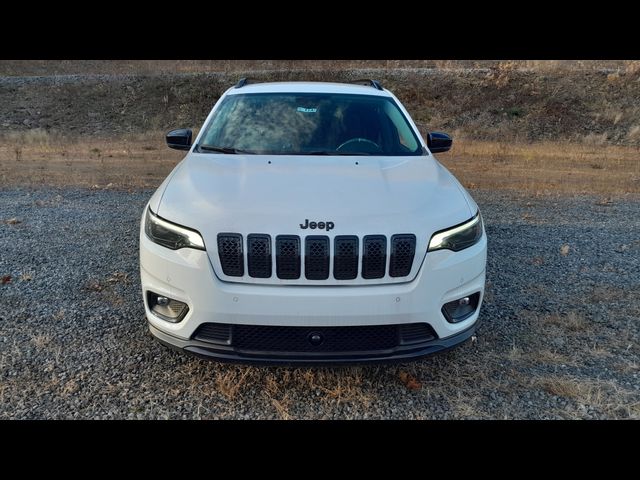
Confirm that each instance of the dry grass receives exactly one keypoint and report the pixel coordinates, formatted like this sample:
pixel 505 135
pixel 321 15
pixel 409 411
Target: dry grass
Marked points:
pixel 140 161
pixel 551 357
pixel 603 396
pixel 545 167
pixel 572 322
pixel 64 67
pixel 606 294
pixel 144 161
pixel 282 407
pixel 583 391
pixel 230 382
pixel 42 340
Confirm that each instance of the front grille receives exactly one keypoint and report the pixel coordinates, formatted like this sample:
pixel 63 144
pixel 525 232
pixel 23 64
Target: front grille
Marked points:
pixel 259 255
pixel 416 333
pixel 374 256
pixel 230 252
pixel 345 257
pixel 288 257
pixel 266 338
pixel 403 249
pixel 214 333
pixel 319 254
pixel 316 258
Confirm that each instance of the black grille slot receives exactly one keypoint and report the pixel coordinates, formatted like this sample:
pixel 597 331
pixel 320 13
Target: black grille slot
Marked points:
pixel 345 257
pixel 259 255
pixel 288 257
pixel 214 333
pixel 416 333
pixel 231 254
pixel 316 257
pixel 374 256
pixel 261 338
pixel 403 249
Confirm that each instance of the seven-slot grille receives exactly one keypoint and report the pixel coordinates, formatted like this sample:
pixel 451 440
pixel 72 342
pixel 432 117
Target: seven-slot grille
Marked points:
pixel 317 251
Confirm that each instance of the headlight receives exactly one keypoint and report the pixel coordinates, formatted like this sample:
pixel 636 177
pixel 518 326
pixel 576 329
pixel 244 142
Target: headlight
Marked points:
pixel 169 234
pixel 458 238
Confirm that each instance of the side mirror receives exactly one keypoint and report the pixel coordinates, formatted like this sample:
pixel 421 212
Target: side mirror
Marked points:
pixel 438 142
pixel 179 139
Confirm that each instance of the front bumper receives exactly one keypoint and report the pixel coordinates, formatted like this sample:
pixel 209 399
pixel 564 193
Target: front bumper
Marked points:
pixel 187 275
pixel 229 354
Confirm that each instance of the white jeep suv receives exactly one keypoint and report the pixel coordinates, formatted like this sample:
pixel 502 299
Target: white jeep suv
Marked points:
pixel 310 223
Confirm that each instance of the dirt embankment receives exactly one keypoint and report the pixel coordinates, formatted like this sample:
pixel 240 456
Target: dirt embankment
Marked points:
pixel 494 104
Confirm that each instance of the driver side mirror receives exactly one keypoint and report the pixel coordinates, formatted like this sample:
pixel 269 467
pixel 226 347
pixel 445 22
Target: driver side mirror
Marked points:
pixel 438 142
pixel 179 139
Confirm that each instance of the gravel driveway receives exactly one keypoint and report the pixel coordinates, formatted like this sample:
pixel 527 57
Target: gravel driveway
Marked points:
pixel 558 337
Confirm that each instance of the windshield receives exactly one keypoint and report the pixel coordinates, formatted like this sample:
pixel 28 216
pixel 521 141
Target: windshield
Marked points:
pixel 309 124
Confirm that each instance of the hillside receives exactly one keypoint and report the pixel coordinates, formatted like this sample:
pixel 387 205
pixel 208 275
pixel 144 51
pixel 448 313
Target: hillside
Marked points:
pixel 498 104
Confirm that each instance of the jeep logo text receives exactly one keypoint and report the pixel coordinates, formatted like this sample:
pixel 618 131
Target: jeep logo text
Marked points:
pixel 313 225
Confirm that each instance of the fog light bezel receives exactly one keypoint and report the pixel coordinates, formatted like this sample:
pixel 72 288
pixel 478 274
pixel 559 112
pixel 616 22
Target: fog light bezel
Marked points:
pixel 474 303
pixel 152 302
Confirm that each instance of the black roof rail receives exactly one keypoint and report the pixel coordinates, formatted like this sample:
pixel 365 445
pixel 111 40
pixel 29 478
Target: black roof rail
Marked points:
pixel 367 81
pixel 242 82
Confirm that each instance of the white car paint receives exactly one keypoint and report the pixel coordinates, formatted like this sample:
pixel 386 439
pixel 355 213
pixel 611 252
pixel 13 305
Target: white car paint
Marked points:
pixel 273 194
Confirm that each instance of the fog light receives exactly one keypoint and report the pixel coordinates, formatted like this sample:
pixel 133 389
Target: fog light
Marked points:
pixel 167 308
pixel 162 301
pixel 461 309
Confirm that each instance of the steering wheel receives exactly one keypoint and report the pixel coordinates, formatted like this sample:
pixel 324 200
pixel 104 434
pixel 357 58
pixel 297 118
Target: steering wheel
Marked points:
pixel 369 145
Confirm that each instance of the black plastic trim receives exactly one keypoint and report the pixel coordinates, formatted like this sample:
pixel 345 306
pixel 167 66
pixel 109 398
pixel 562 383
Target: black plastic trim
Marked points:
pixel 316 268
pixel 227 262
pixel 367 81
pixel 339 261
pixel 403 353
pixel 368 270
pixel 253 260
pixel 287 267
pixel 476 301
pixel 394 268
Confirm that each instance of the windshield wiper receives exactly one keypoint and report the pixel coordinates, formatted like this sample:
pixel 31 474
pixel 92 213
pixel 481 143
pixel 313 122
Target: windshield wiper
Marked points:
pixel 230 150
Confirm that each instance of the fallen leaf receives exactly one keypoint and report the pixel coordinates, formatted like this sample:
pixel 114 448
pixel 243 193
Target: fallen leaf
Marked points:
pixel 564 250
pixel 409 381
pixel 5 279
pixel 13 221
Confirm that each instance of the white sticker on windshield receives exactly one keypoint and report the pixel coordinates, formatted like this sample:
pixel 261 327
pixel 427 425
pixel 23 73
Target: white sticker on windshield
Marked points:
pixel 307 110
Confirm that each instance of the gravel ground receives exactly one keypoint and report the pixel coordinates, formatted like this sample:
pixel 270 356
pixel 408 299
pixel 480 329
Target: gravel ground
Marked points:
pixel 558 337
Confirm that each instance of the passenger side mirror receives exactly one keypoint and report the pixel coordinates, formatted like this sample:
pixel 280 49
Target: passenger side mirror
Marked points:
pixel 438 142
pixel 179 139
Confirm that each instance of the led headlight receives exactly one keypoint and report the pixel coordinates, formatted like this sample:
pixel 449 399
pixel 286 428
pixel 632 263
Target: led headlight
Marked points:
pixel 458 238
pixel 169 234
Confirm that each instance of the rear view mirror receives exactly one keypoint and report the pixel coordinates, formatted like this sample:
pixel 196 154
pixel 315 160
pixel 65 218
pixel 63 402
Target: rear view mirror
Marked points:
pixel 179 139
pixel 438 142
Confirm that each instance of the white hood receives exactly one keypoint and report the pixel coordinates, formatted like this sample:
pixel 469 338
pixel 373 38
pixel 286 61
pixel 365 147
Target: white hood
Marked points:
pixel 274 194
